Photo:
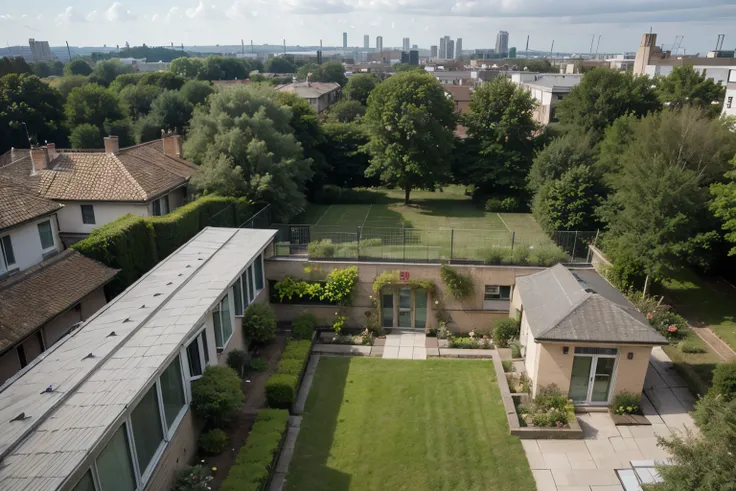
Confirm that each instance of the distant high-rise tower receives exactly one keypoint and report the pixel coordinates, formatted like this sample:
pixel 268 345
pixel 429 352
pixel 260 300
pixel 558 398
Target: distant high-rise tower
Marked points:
pixel 344 39
pixel 379 43
pixel 644 53
pixel 450 44
pixel 406 44
pixel 433 51
pixel 459 48
pixel 502 43
pixel 444 51
pixel 366 41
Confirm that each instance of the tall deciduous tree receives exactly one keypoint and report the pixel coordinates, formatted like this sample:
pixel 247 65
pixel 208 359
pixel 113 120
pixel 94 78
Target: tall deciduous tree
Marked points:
pixel 14 64
pixel 172 111
pixel 568 203
pixel 138 99
pixel 92 104
pixel 687 86
pixel 723 204
pixel 197 91
pixel 86 136
pixel 278 64
pixel 602 96
pixel 186 67
pixel 346 112
pixel 563 153
pixel 77 67
pixel 359 87
pixel 347 160
pixel 246 147
pixel 332 71
pixel 410 121
pixel 26 99
pixel 106 71
pixel 500 130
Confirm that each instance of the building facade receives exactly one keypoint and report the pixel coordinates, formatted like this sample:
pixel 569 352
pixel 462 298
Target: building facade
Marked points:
pixel 379 43
pixel 548 89
pixel 405 44
pixel 320 95
pixel 450 46
pixel 433 51
pixel 344 39
pixel 459 49
pixel 366 41
pixel 502 43
pixel 729 103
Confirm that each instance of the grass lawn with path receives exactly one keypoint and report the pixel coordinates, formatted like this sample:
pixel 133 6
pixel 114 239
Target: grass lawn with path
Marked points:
pixel 374 424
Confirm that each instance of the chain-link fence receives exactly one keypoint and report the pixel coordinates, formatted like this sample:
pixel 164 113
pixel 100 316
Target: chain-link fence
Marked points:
pixel 432 246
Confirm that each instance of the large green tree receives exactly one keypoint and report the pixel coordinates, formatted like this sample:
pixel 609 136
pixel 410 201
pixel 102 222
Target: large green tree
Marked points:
pixel 65 84
pixel 410 122
pixel 569 202
pixel 245 146
pixel 138 99
pixel 164 80
pixel 723 204
pixel 332 71
pixel 346 112
pixel 278 64
pixel 687 86
pixel 500 128
pixel 172 110
pixel 186 67
pixel 359 87
pixel 86 136
pixel 44 69
pixel 602 96
pixel 14 64
pixel 563 153
pixel 106 71
pixel 125 80
pixel 92 104
pixel 28 103
pixel 346 157
pixel 77 67
pixel 197 91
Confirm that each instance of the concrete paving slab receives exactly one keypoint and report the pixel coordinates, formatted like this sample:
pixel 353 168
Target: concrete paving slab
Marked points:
pixel 419 354
pixel 536 460
pixel 615 487
pixel 573 488
pixel 433 352
pixel 393 340
pixel 377 351
pixel 581 461
pixel 419 341
pixel 620 444
pixel 406 352
pixel 544 480
pixel 556 461
pixel 625 457
pixel 391 352
pixel 624 431
pixel 650 450
pixel 530 446
pixel 585 477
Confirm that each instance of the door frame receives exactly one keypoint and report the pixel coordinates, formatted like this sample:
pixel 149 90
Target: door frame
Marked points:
pixel 394 290
pixel 591 377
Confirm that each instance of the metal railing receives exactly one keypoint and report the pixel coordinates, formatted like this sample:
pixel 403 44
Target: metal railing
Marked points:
pixel 432 246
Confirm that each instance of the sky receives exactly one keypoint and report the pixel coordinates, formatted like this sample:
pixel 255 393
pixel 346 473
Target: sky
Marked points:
pixel 571 24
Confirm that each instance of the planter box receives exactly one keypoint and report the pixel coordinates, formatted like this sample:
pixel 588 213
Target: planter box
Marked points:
pixel 629 419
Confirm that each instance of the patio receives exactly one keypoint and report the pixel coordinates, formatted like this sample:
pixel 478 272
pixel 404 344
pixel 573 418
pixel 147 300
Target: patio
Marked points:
pixel 590 464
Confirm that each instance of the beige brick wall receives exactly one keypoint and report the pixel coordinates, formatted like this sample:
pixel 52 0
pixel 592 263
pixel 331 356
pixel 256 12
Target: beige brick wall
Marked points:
pixel 180 452
pixel 467 315
pixel 554 367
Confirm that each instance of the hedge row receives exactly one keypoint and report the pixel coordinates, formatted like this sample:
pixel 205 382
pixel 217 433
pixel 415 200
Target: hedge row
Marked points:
pixel 255 461
pixel 135 244
pixel 282 386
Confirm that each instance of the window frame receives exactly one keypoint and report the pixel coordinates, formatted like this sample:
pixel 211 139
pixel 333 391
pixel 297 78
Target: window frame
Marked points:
pixel 162 203
pixel 156 457
pixel 198 338
pixel 91 209
pixel 499 293
pixel 248 286
pixel 217 311
pixel 3 251
pixel 169 430
pixel 40 238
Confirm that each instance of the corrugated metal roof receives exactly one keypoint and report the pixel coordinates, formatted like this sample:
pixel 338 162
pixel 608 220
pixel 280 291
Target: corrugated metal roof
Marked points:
pixel 150 321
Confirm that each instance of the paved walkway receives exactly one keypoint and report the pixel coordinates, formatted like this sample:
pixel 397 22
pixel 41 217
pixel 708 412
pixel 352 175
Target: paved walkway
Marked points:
pixel 405 346
pixel 589 464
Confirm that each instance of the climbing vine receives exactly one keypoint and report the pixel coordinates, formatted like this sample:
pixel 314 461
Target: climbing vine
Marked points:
pixel 460 286
pixel 337 289
pixel 392 277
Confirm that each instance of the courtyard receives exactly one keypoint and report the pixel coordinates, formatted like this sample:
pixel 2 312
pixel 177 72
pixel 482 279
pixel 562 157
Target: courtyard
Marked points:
pixel 376 424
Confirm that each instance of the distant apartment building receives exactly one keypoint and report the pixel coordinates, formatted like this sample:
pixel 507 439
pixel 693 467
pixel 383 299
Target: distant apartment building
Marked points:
pixel 379 43
pixel 729 103
pixel 97 187
pixel 35 52
pixel 502 43
pixel 366 41
pixel 433 51
pixel 443 51
pixel 485 53
pixel 548 89
pixel 459 48
pixel 450 45
pixel 344 39
pixel 319 95
pixel 406 44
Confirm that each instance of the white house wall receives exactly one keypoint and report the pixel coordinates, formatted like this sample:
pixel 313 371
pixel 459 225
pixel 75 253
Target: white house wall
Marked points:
pixel 70 217
pixel 27 242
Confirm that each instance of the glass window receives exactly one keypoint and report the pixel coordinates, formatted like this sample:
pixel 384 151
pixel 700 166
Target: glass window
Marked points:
pixel 86 483
pixel 249 277
pixel 219 342
pixel 147 431
pixel 238 296
pixel 7 246
pixel 420 308
pixel 165 205
pixel 172 391
pixel 227 325
pixel 259 273
pixel 114 466
pixel 194 359
pixel 156 208
pixel 596 351
pixel 203 337
pixel 88 214
pixel 47 236
pixel 496 292
pixel 387 308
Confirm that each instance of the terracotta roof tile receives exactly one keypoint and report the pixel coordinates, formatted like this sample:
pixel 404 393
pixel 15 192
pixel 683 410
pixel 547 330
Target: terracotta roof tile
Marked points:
pixel 19 204
pixel 38 294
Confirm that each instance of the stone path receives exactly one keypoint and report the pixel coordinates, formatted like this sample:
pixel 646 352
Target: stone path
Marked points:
pixel 589 464
pixel 719 346
pixel 405 346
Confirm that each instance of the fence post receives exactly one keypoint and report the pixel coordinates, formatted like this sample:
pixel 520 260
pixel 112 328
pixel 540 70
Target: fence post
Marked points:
pixel 513 237
pixel 574 246
pixel 404 253
pixel 358 241
pixel 452 244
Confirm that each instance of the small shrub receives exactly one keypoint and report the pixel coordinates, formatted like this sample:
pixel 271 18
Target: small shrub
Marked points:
pixel 432 332
pixel 321 248
pixel 515 350
pixel 724 381
pixel 257 365
pixel 557 418
pixel 303 326
pixel 463 343
pixel 493 204
pixel 281 390
pixel 508 366
pixel 669 323
pixel 520 255
pixel 540 420
pixel 443 332
pixel 290 367
pixel 626 402
pixel 525 408
pixel 525 383
pixel 237 359
pixel 550 397
pixel 259 323
pixel 496 255
pixel 213 442
pixel 547 256
pixel 504 330
pixel 510 204
pixel 690 347
pixel 216 395
pixel 193 478
pixel 460 286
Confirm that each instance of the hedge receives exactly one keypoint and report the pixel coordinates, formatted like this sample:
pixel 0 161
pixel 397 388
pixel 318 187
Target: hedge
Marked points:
pixel 136 244
pixel 281 387
pixel 255 461
pixel 297 350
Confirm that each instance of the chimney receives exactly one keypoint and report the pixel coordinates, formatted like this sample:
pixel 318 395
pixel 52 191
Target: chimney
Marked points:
pixel 112 144
pixel 40 159
pixel 51 151
pixel 172 145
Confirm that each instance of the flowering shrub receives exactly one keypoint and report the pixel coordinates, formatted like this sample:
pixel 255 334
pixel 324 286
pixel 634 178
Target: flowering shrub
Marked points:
pixel 669 324
pixel 366 337
pixel 626 403
pixel 463 343
pixel 339 322
pixel 193 478
pixel 443 332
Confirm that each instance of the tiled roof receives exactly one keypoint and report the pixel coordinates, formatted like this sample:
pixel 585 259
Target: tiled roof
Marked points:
pixel 137 173
pixel 151 321
pixel 38 294
pixel 309 89
pixel 19 204
pixel 561 306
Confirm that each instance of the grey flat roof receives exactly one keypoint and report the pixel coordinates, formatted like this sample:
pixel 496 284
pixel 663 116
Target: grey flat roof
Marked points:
pixel 150 320
pixel 555 83
pixel 564 305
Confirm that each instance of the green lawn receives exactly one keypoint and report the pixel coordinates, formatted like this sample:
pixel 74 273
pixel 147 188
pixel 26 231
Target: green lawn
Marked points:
pixel 707 301
pixel 373 424
pixel 696 369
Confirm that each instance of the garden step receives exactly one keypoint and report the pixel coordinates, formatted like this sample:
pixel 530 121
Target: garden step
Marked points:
pixel 465 353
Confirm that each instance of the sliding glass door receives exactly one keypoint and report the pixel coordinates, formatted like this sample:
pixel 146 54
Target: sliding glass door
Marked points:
pixel 591 378
pixel 403 307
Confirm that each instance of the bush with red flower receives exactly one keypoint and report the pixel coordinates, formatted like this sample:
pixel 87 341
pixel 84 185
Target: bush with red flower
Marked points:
pixel 669 324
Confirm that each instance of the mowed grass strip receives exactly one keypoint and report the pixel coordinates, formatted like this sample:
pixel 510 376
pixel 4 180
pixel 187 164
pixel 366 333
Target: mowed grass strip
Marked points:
pixel 373 424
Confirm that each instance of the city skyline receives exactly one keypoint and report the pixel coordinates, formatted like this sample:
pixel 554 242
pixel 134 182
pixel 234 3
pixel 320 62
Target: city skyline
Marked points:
pixel 570 23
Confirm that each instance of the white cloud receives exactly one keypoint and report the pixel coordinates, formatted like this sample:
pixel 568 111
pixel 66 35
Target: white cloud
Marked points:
pixel 174 13
pixel 205 11
pixel 118 13
pixel 92 16
pixel 241 9
pixel 69 16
